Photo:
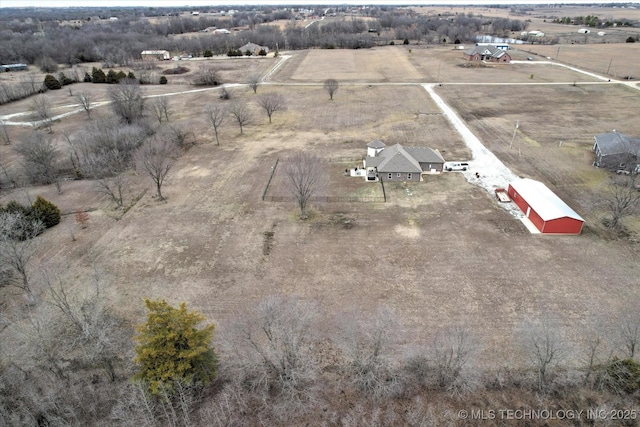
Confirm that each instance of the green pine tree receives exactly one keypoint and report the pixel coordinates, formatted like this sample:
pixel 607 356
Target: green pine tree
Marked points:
pixel 46 212
pixel 171 348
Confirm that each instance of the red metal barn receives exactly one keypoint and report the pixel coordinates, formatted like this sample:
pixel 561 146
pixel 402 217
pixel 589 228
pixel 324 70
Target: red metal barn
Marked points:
pixel 544 209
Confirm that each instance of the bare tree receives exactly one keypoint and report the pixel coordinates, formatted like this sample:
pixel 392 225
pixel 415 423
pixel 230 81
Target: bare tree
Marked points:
pixel 544 349
pixel 114 187
pixel 216 115
pixel 4 133
pixel 597 349
pixel 127 100
pixel 161 109
pixel 253 81
pixel 271 103
pixel 17 246
pixel 331 86
pixel 206 76
pixel 306 176
pixel 630 333
pixel 451 354
pixel 156 157
pixel 85 101
pixel 621 199
pixel 240 111
pixel 87 327
pixel 40 157
pixel 41 106
pixel 366 345
pixel 177 134
pixel 270 351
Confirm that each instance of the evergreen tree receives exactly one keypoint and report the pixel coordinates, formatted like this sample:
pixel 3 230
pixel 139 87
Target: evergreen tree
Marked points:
pixel 98 76
pixel 46 212
pixel 171 348
pixel 51 83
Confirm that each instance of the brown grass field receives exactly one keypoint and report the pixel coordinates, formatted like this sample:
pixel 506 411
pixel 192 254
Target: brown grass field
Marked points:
pixel 439 253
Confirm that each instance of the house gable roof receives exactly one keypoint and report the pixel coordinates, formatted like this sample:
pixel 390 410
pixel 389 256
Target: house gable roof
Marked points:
pixel 542 200
pixel 492 51
pixel 252 47
pixel 617 143
pixel 425 154
pixel 397 158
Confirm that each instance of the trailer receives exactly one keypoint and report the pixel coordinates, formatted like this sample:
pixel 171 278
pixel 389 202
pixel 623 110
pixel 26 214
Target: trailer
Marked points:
pixel 501 195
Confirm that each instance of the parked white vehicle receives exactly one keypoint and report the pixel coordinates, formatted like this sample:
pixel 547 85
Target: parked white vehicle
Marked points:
pixel 456 166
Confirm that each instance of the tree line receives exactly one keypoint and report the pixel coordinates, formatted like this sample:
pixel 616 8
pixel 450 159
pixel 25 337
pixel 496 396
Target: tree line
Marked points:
pixel 120 42
pixel 279 363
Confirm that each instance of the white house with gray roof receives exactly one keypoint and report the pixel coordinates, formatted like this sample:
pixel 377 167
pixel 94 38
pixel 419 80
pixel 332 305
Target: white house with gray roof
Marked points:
pixel 399 163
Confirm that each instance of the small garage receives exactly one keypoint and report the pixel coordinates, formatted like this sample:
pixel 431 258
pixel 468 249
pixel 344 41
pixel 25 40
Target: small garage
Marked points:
pixel 546 211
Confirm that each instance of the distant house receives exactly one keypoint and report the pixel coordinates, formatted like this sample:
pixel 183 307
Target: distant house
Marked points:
pixel 13 67
pixel 398 163
pixel 155 55
pixel 487 53
pixel 615 151
pixel 253 48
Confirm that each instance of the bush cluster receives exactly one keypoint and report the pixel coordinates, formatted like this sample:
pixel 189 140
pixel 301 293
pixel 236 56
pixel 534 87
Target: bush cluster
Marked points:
pixel 41 210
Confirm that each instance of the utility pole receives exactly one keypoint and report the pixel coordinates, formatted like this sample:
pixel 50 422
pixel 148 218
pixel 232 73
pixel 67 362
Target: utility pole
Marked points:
pixel 438 78
pixel 514 133
pixel 558 52
pixel 609 67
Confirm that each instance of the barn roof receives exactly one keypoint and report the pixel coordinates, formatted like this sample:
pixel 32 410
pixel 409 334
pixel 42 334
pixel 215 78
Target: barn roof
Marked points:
pixel 542 200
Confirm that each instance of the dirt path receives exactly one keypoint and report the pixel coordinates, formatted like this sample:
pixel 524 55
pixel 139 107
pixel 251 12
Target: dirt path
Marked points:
pixel 491 171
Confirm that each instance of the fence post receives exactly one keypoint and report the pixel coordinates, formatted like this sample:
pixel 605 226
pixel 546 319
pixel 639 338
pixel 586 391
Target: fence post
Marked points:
pixel 273 171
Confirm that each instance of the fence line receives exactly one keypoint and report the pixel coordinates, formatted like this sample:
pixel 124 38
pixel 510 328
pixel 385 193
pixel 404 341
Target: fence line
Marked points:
pixel 328 199
pixel 273 171
pixel 344 159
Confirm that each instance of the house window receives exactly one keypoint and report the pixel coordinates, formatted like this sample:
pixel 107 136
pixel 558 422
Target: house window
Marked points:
pixel 408 176
pixel 398 174
pixel 390 176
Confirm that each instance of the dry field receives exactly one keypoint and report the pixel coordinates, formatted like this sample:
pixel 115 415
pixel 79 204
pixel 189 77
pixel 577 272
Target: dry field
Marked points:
pixel 439 253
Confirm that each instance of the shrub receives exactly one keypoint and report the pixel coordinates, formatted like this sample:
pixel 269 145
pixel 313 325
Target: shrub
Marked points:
pixel 623 375
pixel 262 52
pixel 46 212
pixel 51 82
pixel 163 80
pixel 406 41
pixel 630 39
pixel 207 54
pixel 64 80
